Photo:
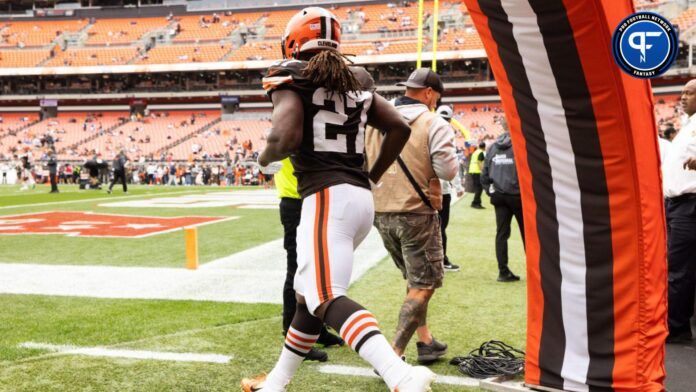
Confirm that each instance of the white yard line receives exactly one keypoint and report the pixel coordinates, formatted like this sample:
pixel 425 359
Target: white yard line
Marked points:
pixel 52 203
pixel 368 372
pixel 131 354
pixel 256 275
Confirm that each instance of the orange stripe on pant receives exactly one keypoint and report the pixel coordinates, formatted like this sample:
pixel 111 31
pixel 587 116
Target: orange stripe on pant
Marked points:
pixel 321 250
pixel 325 236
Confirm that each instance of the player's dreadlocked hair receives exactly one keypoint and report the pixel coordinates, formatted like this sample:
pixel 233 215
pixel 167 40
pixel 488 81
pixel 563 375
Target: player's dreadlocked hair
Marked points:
pixel 328 69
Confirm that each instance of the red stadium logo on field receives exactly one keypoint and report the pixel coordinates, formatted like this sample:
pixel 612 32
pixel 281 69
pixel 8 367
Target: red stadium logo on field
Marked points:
pixel 87 224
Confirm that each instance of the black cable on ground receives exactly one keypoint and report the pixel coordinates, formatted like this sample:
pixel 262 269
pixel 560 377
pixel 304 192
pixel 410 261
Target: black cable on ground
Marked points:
pixel 493 358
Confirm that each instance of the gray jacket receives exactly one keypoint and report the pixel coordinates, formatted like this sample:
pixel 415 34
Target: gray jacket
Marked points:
pixel 440 139
pixel 499 173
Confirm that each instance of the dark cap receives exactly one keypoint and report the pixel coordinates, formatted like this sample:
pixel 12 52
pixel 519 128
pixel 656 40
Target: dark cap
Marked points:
pixel 422 78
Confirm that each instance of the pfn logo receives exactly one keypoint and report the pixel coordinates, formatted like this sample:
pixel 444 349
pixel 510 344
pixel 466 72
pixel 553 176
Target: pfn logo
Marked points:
pixel 641 45
pixel 645 45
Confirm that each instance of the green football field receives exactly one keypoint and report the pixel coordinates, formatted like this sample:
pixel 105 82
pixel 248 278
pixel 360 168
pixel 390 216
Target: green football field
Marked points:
pixel 471 307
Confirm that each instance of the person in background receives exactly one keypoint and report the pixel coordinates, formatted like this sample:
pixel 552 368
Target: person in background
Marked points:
pixel 53 170
pixel 173 174
pixel 475 166
pixel 679 186
pixel 407 201
pixel 499 177
pixel 119 166
pixel 448 187
pixel 27 176
pixel 4 168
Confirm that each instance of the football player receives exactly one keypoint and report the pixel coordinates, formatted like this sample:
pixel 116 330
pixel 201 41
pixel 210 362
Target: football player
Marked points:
pixel 27 175
pixel 321 107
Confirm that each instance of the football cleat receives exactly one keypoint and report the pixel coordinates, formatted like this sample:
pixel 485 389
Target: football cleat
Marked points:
pixel 418 380
pixel 257 383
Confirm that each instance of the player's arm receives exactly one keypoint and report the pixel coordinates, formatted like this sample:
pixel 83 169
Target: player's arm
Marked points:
pixel 286 135
pixel 386 118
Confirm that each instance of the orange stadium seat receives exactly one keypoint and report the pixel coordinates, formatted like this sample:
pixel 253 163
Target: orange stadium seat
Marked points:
pixel 66 129
pixel 167 54
pixel 161 128
pixel 196 28
pixel 666 110
pixel 380 46
pixel 36 33
pixel 686 19
pixel 481 119
pixel 123 31
pixel 219 138
pixel 13 121
pixel 76 57
pixel 275 22
pixel 260 50
pixel 22 58
pixel 457 39
pixel 383 17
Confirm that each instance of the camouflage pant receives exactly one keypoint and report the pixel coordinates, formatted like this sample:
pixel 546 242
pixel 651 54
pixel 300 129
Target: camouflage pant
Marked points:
pixel 414 242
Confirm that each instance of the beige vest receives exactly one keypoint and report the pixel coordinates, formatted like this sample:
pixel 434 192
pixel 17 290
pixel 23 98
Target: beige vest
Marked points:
pixel 396 194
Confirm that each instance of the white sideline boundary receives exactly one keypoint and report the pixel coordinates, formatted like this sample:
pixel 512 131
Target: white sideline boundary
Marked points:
pixel 368 372
pixel 52 203
pixel 255 275
pixel 130 354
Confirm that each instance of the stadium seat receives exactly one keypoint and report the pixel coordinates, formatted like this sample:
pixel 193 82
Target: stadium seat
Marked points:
pixel 36 33
pixel 76 57
pixel 123 31
pixel 260 50
pixel 23 58
pixel 167 54
pixel 199 28
pixel 160 128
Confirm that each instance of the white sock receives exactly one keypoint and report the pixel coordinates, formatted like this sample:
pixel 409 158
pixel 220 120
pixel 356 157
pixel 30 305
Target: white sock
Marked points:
pixel 297 345
pixel 362 334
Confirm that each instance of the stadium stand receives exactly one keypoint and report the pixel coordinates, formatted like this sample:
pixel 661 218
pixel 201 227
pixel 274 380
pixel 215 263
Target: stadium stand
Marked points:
pixel 36 33
pixel 686 19
pixel 261 50
pixel 481 119
pixel 75 57
pixel 23 58
pixel 123 31
pixel 387 28
pixel 201 28
pixel 167 54
pixel 147 135
pixel 10 122
pixel 224 136
pixel 390 17
pixel 666 110
pixel 65 130
pixel 81 135
pixel 275 22
pixel 455 39
pixel 372 29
